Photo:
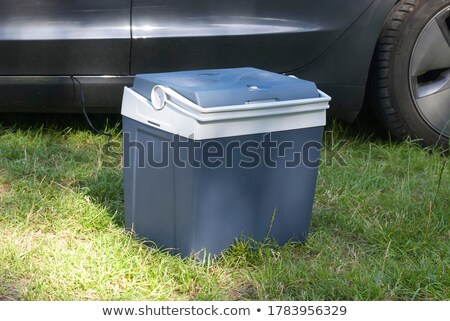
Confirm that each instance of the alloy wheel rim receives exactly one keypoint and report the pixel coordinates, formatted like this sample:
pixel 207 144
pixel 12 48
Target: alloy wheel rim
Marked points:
pixel 429 73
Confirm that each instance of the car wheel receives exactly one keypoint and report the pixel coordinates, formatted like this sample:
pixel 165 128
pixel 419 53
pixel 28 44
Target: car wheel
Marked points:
pixel 410 75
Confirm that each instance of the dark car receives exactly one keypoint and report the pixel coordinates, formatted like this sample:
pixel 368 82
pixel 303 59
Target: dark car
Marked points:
pixel 395 53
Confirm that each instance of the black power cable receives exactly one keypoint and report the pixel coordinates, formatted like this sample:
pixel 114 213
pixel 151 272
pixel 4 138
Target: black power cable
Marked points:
pixel 83 105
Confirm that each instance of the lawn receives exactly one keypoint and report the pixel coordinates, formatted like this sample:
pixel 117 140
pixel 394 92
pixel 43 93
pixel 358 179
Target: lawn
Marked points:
pixel 380 227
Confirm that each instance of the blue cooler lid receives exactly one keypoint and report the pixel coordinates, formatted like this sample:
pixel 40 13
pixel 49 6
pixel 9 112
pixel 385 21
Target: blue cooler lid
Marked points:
pixel 227 87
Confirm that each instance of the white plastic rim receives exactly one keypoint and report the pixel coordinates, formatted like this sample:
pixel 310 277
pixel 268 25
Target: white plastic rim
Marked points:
pixel 173 113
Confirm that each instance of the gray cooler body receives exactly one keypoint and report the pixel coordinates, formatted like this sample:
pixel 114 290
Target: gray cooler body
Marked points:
pixel 247 173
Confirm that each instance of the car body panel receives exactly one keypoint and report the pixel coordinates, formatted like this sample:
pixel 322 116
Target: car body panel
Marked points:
pixel 59 94
pixel 330 42
pixel 279 36
pixel 53 37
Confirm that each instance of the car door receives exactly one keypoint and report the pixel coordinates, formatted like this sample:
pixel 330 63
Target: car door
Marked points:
pixel 275 35
pixel 54 37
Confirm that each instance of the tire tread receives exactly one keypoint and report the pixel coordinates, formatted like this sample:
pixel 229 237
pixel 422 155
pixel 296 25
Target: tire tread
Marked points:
pixel 382 107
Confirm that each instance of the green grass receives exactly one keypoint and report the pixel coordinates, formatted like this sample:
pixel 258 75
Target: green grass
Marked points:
pixel 380 228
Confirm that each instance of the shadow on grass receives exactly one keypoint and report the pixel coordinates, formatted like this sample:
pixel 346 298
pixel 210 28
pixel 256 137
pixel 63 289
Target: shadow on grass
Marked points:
pixel 106 190
pixel 58 121
pixel 364 127
pixel 105 186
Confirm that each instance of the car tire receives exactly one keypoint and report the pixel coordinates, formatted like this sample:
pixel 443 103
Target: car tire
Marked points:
pixel 409 83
